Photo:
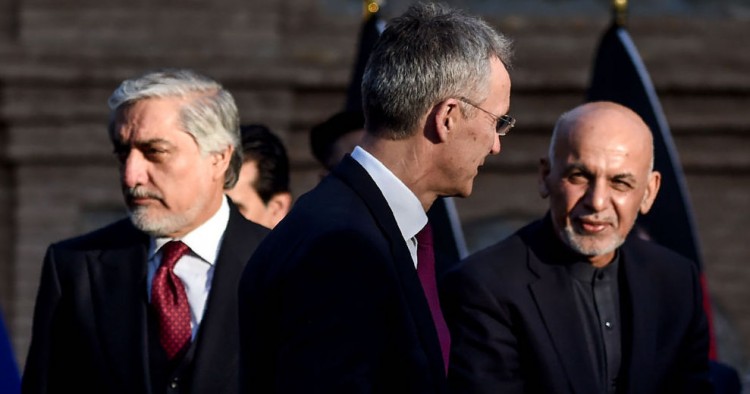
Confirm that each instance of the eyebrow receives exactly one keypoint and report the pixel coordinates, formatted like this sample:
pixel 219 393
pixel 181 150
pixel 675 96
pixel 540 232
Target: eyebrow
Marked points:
pixel 624 176
pixel 151 141
pixel 576 166
pixel 580 167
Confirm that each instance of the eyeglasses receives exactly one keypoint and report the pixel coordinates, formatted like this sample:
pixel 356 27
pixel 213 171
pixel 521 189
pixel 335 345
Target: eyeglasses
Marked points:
pixel 503 123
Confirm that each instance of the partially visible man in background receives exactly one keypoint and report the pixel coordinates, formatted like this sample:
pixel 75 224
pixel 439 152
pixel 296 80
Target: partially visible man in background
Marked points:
pixel 262 191
pixel 149 304
pixel 333 138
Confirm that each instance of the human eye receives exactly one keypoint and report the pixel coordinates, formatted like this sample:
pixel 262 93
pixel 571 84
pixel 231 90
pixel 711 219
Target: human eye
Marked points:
pixel 622 184
pixel 121 152
pixel 577 177
pixel 155 152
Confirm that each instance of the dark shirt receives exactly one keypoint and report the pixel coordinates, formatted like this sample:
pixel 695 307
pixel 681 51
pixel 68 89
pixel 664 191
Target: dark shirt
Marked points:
pixel 598 303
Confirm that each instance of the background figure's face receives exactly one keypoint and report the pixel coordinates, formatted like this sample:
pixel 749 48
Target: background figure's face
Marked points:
pixel 250 203
pixel 477 138
pixel 170 188
pixel 598 182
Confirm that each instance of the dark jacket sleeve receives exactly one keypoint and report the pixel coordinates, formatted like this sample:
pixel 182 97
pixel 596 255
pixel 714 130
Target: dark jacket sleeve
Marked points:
pixel 484 345
pixel 39 362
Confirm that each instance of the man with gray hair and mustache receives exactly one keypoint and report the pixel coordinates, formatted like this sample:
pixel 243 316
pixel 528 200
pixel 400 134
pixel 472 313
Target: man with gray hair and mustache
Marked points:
pixel 575 303
pixel 149 304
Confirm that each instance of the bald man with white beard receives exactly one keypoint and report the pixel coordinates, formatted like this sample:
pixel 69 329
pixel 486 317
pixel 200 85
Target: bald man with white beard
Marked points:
pixel 573 303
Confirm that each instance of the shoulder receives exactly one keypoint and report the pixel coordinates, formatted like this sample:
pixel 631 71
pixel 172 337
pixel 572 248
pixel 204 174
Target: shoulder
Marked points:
pixel 332 209
pixel 655 258
pixel 507 256
pixel 329 225
pixel 246 230
pixel 501 269
pixel 117 235
pixel 650 265
pixel 338 227
pixel 119 240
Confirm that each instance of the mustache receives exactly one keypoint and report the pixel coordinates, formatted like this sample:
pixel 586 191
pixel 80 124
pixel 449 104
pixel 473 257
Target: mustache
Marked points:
pixel 596 219
pixel 141 192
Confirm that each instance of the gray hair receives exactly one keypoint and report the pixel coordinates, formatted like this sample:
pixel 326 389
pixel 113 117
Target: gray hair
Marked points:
pixel 210 116
pixel 427 55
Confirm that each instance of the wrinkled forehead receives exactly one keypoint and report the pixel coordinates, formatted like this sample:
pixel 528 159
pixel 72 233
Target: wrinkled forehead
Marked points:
pixel 607 125
pixel 148 118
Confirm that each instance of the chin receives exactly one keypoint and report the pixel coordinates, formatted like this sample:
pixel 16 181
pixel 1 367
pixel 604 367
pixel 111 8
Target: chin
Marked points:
pixel 466 191
pixel 155 226
pixel 591 246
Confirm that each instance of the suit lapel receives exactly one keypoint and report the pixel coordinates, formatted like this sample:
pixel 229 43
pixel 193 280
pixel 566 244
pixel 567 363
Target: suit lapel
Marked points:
pixel 554 297
pixel 357 178
pixel 214 358
pixel 639 336
pixel 119 303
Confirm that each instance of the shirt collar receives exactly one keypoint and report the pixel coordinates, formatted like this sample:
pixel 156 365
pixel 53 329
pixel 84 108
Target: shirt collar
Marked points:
pixel 204 241
pixel 407 210
pixel 584 272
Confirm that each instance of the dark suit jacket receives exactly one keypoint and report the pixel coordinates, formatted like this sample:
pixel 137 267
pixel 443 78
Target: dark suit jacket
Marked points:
pixel 331 302
pixel 515 326
pixel 90 322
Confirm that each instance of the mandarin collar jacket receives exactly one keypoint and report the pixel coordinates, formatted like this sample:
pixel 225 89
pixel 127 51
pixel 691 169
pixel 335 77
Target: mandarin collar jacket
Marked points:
pixel 515 326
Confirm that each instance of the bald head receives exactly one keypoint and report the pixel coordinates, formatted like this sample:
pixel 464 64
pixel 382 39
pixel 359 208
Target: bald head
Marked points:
pixel 605 121
pixel 598 176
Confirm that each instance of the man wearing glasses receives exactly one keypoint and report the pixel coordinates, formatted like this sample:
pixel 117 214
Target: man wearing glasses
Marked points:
pixel 341 298
pixel 571 303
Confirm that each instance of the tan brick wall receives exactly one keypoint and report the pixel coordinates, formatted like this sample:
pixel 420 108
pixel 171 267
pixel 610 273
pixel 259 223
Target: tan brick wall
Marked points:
pixel 288 63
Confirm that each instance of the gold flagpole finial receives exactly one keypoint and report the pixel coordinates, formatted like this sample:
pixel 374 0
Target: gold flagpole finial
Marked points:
pixel 620 10
pixel 371 7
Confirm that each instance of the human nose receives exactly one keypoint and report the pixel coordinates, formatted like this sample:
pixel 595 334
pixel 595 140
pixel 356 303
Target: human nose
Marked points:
pixel 495 145
pixel 597 195
pixel 134 170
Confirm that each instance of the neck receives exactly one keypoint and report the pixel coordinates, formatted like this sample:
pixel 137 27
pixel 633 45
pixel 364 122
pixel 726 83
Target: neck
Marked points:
pixel 408 160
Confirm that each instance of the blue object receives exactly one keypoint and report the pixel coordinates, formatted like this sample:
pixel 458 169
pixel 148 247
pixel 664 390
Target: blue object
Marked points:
pixel 10 379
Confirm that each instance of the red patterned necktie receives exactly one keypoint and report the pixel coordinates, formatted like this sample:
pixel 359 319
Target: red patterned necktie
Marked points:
pixel 170 301
pixel 426 273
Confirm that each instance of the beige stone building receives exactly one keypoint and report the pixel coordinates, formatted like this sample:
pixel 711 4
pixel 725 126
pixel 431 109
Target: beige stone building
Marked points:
pixel 288 63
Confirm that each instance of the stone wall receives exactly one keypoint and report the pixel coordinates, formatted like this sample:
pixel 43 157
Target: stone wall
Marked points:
pixel 288 64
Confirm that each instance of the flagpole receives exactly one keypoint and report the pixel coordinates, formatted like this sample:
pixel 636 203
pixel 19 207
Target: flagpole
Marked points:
pixel 620 12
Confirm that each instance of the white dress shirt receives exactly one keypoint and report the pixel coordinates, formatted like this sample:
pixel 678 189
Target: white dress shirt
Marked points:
pixel 196 268
pixel 406 208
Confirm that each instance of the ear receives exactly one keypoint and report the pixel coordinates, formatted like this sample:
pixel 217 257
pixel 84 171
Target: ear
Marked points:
pixel 544 169
pixel 220 161
pixel 278 206
pixel 446 116
pixel 652 188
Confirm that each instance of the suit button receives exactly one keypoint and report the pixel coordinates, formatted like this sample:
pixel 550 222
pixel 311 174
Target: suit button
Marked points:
pixel 608 325
pixel 174 384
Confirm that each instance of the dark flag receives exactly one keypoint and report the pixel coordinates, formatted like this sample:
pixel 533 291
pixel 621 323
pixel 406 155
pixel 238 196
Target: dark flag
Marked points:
pixel 369 33
pixel 10 381
pixel 619 75
pixel 450 246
